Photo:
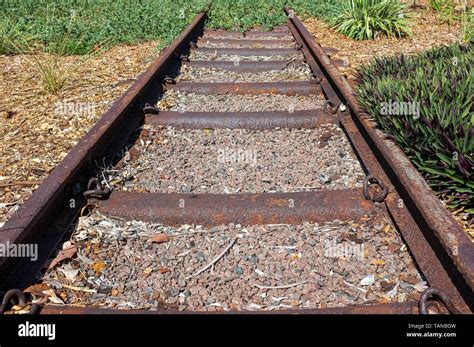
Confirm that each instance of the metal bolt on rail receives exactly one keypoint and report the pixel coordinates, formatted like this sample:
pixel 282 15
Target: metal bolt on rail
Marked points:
pixel 330 107
pixel 96 190
pixel 381 196
pixel 148 109
pixel 315 79
pixel 424 301
pixel 15 297
pixel 169 80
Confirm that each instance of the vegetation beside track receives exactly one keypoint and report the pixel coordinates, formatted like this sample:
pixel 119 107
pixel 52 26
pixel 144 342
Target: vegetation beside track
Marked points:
pixel 367 19
pixel 88 24
pixel 426 103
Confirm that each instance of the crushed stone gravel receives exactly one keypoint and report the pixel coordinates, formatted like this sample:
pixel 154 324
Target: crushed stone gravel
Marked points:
pixel 189 102
pixel 240 161
pixel 315 265
pixel 199 74
pixel 248 38
pixel 197 55
pixel 246 44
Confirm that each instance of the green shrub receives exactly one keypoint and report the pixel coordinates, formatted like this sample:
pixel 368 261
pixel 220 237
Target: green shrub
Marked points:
pixel 439 136
pixel 367 19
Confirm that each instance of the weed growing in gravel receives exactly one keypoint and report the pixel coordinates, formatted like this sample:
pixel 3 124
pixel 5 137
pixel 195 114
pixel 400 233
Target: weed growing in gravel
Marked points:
pixel 439 137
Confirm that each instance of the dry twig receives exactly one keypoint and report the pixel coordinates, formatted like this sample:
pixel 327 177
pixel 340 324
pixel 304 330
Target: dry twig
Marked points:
pixel 280 287
pixel 215 260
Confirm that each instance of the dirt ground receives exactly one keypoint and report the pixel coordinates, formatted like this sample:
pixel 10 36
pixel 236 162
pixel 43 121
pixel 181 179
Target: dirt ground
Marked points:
pixel 38 129
pixel 428 32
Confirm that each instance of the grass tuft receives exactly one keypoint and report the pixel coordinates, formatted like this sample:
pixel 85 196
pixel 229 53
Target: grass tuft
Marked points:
pixel 368 19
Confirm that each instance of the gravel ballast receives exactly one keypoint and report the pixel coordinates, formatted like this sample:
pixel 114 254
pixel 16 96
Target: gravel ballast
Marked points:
pixel 189 102
pixel 246 44
pixel 197 55
pixel 199 74
pixel 248 38
pixel 265 267
pixel 241 161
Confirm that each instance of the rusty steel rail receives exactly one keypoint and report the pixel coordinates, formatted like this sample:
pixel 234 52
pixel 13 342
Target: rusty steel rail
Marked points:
pixel 285 88
pixel 241 120
pixel 427 226
pixel 247 209
pixel 410 307
pixel 247 51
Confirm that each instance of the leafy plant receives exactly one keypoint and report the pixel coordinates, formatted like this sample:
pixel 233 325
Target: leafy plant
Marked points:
pixel 439 138
pixel 367 19
pixel 467 24
pixel 445 9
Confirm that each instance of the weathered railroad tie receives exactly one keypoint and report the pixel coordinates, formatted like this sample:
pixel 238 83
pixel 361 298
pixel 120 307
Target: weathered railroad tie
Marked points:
pixel 392 188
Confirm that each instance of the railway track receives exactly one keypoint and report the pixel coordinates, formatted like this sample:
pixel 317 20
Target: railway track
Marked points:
pixel 239 174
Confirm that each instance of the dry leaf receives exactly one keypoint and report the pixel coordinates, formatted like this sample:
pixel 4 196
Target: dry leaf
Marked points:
pixel 295 256
pixel 37 289
pixel 421 286
pixel 159 238
pixel 98 267
pixel 378 262
pixel 115 292
pixel 69 272
pixel 164 270
pixel 67 253
pixel 148 271
pixel 368 280
pixel 53 297
pixel 386 229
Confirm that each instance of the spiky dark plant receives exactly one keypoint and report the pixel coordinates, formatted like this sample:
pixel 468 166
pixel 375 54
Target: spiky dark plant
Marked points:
pixel 439 139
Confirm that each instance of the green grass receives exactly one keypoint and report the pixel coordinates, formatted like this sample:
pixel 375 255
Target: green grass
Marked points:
pixel 14 38
pixel 90 23
pixel 439 138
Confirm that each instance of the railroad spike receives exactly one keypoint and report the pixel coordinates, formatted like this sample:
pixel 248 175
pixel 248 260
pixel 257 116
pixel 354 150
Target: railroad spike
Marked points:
pixel 381 196
pixel 96 190
pixel 168 80
pixel 430 292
